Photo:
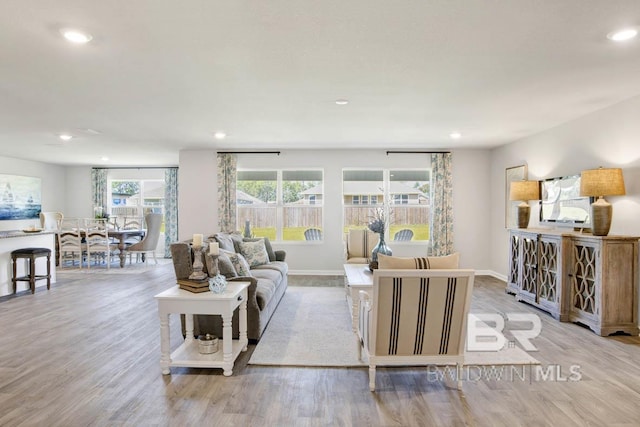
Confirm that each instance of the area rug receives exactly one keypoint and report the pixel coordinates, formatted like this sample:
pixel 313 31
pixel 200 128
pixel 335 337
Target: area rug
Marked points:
pixel 312 327
pixel 114 268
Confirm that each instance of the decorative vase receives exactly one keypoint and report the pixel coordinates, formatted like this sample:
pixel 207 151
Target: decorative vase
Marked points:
pixel 380 248
pixel 247 229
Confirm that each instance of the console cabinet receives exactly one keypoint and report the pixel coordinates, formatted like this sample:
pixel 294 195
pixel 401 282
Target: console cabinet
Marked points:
pixel 603 284
pixel 591 280
pixel 535 274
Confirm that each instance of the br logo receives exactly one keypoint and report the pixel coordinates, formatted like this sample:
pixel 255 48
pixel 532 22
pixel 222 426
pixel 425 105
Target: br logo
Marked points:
pixel 484 331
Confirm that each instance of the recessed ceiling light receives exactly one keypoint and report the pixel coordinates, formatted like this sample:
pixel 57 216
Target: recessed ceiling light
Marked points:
pixel 104 159
pixel 75 36
pixel 622 35
pixel 65 137
pixel 342 101
pixel 219 135
pixel 455 135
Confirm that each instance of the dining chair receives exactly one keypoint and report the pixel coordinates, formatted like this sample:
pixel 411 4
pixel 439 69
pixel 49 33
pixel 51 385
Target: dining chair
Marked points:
pixel 149 242
pixel 97 245
pixel 51 220
pixel 69 243
pixel 132 223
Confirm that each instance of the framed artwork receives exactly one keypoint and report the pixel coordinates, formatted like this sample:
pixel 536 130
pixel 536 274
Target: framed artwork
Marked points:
pixel 20 197
pixel 515 173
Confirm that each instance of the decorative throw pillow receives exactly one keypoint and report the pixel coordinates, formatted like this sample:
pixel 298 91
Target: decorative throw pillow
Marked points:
pixel 267 245
pixel 225 266
pixel 432 262
pixel 236 236
pixel 240 264
pixel 225 241
pixel 255 252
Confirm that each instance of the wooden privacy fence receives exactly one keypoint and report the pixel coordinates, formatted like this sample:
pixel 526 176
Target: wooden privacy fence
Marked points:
pixel 294 216
pixel 400 214
pixel 262 216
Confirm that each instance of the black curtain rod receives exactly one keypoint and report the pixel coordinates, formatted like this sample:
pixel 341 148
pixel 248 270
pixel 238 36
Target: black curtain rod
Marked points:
pixel 418 152
pixel 249 152
pixel 135 167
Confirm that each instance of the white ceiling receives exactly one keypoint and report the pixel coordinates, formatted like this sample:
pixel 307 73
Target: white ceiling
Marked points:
pixel 161 76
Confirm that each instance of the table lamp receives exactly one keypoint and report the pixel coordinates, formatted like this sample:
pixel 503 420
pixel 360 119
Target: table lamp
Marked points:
pixel 524 191
pixel 599 183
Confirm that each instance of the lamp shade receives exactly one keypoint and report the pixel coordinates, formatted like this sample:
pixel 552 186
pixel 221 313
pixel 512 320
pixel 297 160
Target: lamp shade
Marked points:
pixel 524 190
pixel 602 182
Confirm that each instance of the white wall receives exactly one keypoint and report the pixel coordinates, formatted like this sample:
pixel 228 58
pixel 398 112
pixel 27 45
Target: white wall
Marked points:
pixel 198 200
pixel 197 193
pixel 608 138
pixel 53 186
pixel 79 201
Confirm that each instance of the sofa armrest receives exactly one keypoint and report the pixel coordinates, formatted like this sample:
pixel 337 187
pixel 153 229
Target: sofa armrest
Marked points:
pixel 252 300
pixel 280 255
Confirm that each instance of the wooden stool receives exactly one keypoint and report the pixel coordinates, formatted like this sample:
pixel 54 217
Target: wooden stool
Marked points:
pixel 31 277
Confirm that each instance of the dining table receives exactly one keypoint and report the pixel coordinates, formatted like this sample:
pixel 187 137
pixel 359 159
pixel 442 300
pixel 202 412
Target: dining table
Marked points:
pixel 122 235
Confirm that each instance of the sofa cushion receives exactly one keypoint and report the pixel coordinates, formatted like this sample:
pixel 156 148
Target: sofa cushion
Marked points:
pixel 267 245
pixel 265 289
pixel 358 260
pixel 272 275
pixel 279 266
pixel 255 252
pixel 432 262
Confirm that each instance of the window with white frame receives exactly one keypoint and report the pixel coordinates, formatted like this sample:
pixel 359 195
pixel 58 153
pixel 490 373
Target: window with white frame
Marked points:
pixel 279 204
pixel 404 194
pixel 136 197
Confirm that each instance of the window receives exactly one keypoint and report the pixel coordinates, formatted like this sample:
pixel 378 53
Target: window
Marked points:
pixel 279 204
pixel 359 188
pixel 136 197
pixel 407 191
pixel 400 199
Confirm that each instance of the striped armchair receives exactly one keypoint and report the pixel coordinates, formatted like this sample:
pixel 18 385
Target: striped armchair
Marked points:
pixel 359 244
pixel 415 317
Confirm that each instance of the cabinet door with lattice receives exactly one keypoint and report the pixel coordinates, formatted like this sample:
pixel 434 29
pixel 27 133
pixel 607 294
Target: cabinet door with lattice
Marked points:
pixel 528 268
pixel 603 283
pixel 514 262
pixel 549 291
pixel 584 280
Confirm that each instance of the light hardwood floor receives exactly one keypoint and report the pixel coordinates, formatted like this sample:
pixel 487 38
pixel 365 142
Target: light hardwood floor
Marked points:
pixel 86 353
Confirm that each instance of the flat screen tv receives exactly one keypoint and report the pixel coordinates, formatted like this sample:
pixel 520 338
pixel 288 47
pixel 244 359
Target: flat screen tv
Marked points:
pixel 561 203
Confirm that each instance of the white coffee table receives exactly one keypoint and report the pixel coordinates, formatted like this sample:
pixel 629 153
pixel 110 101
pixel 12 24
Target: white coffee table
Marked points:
pixel 357 277
pixel 176 300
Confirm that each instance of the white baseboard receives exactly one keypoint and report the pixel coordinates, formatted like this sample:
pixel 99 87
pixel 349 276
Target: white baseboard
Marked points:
pixel 492 274
pixel 316 272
